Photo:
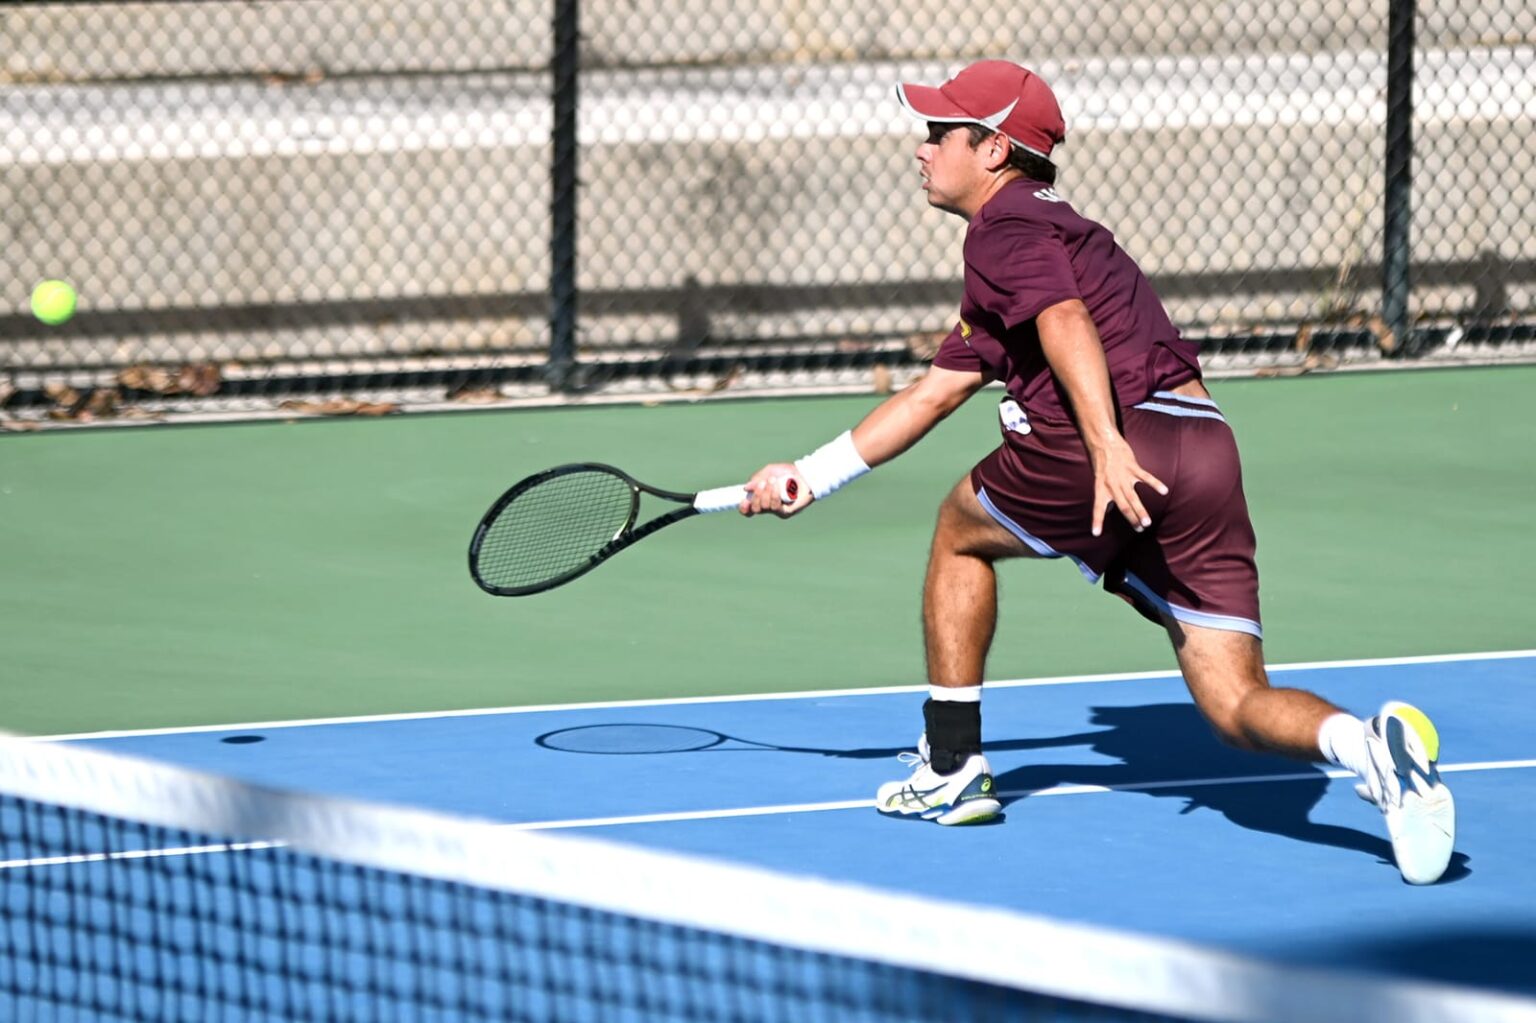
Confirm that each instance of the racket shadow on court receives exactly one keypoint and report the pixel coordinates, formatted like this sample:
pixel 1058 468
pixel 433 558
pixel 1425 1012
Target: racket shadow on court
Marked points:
pixel 630 738
pixel 623 738
pixel 1170 749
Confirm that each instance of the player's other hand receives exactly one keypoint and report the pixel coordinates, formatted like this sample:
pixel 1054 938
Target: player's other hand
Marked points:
pixel 1115 475
pixel 776 489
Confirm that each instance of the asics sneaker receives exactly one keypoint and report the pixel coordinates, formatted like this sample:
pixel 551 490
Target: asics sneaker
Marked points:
pixel 967 796
pixel 1404 782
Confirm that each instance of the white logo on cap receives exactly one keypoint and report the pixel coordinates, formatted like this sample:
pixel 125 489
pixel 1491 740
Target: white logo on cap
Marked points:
pixel 996 120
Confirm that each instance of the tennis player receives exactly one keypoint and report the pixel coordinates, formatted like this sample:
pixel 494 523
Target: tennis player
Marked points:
pixel 1113 454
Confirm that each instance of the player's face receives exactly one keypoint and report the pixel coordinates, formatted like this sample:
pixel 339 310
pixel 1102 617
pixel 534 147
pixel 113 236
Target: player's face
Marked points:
pixel 953 172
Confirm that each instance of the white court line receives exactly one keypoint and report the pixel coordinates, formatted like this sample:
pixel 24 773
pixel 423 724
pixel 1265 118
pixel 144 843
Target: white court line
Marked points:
pixel 138 854
pixel 757 811
pixel 1057 790
pixel 1129 676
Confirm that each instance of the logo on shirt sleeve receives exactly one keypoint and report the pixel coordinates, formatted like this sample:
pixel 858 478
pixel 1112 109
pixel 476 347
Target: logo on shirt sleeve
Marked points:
pixel 1048 195
pixel 965 332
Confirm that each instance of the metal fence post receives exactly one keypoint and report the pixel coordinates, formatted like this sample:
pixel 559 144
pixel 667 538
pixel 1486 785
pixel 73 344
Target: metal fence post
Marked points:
pixel 564 63
pixel 1398 196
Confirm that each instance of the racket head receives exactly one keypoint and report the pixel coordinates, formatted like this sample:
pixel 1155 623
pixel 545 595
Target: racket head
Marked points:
pixel 630 739
pixel 551 528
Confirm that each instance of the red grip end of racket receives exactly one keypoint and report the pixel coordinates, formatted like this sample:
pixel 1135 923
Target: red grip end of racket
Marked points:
pixel 791 490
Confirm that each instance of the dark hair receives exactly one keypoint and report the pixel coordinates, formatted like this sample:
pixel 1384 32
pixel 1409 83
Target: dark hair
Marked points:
pixel 1031 165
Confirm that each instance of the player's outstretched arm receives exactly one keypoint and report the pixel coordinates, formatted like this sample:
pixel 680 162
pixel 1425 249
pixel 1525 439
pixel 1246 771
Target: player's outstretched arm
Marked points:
pixel 891 428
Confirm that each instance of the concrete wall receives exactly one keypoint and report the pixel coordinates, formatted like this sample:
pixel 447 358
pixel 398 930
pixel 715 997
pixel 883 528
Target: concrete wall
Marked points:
pixel 104 41
pixel 68 41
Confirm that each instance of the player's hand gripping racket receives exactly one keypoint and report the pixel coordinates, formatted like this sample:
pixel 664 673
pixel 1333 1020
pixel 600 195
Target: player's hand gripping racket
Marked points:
pixel 562 523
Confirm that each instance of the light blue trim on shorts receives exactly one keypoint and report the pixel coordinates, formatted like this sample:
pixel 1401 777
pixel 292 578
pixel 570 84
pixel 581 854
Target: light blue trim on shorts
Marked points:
pixel 1034 543
pixel 1228 623
pixel 1184 397
pixel 1180 411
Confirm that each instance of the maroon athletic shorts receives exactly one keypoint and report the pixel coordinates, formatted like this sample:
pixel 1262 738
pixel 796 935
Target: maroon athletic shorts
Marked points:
pixel 1194 563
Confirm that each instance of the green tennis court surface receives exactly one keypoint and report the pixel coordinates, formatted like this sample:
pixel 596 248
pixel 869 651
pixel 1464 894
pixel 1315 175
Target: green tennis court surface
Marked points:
pixel 198 575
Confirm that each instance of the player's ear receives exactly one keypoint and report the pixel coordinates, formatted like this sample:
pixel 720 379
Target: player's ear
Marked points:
pixel 999 146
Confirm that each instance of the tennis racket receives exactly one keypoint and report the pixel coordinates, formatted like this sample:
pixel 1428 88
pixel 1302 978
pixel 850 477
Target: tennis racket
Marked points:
pixel 560 524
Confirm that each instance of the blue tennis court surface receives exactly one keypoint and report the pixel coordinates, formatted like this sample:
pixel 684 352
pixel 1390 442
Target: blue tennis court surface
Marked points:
pixel 1122 810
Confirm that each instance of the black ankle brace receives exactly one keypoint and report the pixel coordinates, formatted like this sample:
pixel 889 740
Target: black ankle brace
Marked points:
pixel 954 733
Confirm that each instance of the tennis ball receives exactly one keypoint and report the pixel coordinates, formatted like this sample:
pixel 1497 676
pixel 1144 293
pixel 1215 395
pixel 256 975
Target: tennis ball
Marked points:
pixel 53 302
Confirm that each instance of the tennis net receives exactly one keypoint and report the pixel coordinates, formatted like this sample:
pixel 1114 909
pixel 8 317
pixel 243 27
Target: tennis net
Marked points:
pixel 133 890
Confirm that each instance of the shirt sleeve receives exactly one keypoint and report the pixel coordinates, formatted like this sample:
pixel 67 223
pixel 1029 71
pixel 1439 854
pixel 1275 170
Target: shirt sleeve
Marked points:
pixel 955 354
pixel 1016 268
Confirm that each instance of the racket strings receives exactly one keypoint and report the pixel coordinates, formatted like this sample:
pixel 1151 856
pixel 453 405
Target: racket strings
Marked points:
pixel 552 528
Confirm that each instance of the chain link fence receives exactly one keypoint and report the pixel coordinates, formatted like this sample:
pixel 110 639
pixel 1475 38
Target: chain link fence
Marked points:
pixel 286 207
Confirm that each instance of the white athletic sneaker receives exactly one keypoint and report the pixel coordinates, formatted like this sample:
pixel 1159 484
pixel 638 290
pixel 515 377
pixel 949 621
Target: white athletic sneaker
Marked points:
pixel 968 796
pixel 1404 782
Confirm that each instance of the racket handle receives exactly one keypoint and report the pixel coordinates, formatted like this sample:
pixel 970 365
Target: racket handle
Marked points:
pixel 728 498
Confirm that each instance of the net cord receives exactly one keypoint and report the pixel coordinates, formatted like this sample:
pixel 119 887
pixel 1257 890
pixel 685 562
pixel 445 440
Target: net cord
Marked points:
pixel 994 946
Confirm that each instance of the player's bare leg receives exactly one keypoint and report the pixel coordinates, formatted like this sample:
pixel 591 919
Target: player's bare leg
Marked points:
pixel 1225 673
pixel 960 592
pixel 1395 753
pixel 951 781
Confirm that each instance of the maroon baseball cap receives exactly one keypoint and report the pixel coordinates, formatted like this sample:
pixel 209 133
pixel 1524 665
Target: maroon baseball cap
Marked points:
pixel 999 94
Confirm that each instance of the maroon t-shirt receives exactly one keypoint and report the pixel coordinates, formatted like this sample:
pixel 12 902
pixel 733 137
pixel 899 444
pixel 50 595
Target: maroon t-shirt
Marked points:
pixel 1029 249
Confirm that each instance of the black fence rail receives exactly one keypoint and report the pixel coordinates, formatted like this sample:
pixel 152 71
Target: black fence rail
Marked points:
pixel 288 207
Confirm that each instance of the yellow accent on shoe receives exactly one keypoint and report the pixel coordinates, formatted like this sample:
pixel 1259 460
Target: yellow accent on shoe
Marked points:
pixel 1419 721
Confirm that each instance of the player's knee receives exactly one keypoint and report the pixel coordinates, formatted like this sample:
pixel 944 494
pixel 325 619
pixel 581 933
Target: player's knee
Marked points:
pixel 1226 721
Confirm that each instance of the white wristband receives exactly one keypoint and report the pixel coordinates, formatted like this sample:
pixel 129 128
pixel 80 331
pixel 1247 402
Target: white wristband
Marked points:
pixel 832 465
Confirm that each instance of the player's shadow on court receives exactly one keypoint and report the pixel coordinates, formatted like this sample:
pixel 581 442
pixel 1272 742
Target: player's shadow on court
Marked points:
pixel 1170 750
